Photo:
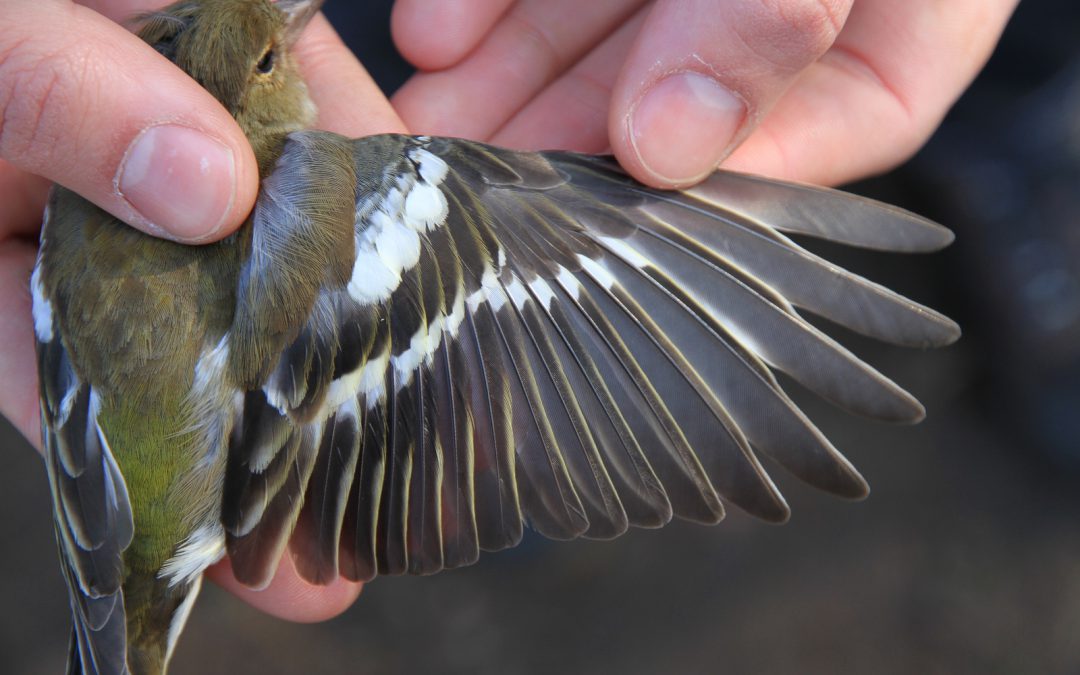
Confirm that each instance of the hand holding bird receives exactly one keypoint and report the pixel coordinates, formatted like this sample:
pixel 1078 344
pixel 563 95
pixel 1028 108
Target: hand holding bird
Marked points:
pixel 416 346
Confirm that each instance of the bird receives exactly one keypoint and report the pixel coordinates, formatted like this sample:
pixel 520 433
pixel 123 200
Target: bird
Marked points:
pixel 415 347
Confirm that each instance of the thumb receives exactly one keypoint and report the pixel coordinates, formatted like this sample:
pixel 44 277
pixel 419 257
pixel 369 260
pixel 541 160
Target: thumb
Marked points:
pixel 701 74
pixel 86 104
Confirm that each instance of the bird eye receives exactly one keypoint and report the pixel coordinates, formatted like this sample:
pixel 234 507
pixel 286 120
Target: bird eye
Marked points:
pixel 266 63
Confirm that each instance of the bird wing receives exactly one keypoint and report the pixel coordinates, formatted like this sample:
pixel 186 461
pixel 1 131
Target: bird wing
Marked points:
pixel 91 511
pixel 535 338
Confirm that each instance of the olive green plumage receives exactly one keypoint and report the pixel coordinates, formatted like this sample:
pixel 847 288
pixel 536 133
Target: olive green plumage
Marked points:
pixel 136 311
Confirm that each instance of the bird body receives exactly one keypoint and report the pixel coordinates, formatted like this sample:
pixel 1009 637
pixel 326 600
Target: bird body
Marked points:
pixel 415 346
pixel 151 305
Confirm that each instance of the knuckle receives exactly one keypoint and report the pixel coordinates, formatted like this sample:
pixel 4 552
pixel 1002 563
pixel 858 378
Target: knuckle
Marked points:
pixel 589 93
pixel 536 45
pixel 34 99
pixel 793 33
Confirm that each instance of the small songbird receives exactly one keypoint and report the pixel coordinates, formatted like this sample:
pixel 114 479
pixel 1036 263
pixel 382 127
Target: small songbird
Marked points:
pixel 416 346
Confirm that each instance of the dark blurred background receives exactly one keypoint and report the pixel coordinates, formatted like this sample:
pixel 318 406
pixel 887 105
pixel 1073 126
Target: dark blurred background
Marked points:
pixel 966 557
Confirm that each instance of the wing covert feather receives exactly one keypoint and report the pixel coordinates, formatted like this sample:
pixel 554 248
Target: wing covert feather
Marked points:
pixel 91 511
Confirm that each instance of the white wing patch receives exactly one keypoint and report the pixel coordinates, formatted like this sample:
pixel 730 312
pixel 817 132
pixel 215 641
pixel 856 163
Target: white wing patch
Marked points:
pixel 343 389
pixel 488 292
pixel 388 243
pixel 425 207
pixel 180 617
pixel 372 281
pixel 543 292
pixel 373 378
pixel 625 251
pixel 385 247
pixel 406 363
pixel 516 290
pixel 42 308
pixel 398 243
pixel 203 547
pixel 432 167
pixel 597 271
pixel 457 315
pixel 569 282
pixel 389 229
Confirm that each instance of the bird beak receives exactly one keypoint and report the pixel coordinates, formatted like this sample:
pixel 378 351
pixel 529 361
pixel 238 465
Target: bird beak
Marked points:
pixel 297 15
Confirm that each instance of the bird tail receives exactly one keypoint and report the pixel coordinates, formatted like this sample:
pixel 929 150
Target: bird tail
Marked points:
pixel 116 647
pixel 74 662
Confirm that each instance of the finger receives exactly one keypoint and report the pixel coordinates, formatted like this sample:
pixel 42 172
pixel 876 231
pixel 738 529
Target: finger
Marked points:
pixel 436 34
pixel 572 113
pixel 879 93
pixel 18 366
pixel 531 46
pixel 288 596
pixel 349 101
pixel 123 12
pixel 88 105
pixel 702 74
pixel 23 197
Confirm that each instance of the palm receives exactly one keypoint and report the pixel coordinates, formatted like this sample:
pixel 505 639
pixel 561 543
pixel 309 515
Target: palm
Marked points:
pixel 819 80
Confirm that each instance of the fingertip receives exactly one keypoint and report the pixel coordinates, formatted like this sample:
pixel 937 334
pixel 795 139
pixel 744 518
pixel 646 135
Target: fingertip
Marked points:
pixel 677 130
pixel 158 151
pixel 288 596
pixel 701 75
pixel 185 184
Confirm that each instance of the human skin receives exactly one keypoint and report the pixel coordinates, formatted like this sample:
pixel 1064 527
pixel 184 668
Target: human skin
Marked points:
pixel 821 91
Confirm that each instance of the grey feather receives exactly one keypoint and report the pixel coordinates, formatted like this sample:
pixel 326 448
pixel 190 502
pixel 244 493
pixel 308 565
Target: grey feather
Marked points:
pixel 567 349
pixel 92 515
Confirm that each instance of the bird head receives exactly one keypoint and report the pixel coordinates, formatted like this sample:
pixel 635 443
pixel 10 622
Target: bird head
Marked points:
pixel 240 51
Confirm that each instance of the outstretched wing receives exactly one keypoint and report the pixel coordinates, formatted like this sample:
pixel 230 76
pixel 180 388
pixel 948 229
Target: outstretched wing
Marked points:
pixel 525 338
pixel 91 511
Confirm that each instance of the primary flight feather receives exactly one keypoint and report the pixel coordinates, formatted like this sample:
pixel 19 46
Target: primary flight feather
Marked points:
pixel 417 346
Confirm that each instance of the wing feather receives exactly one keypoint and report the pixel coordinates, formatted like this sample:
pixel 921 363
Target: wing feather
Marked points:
pixel 91 511
pixel 392 548
pixel 320 523
pixel 425 535
pixel 255 555
pixel 454 433
pixel 535 338
pixel 358 539
pixel 549 502
pixel 497 507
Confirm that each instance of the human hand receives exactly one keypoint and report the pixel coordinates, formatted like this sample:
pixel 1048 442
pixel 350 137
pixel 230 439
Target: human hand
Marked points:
pixel 77 92
pixel 59 124
pixel 821 91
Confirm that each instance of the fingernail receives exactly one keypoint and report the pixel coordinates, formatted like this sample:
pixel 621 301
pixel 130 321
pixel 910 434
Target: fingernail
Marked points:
pixel 684 126
pixel 181 182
